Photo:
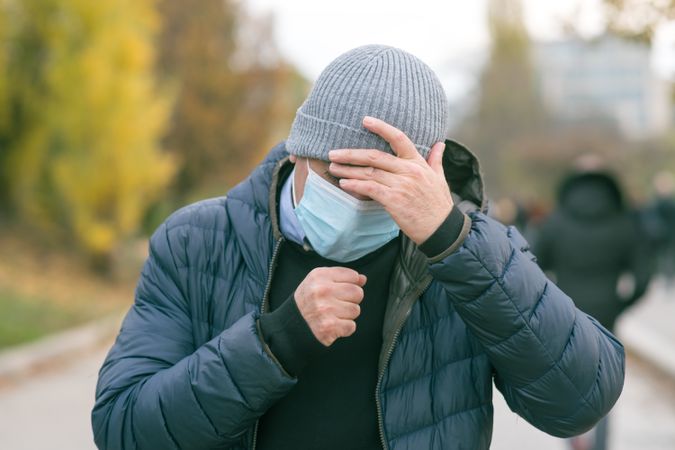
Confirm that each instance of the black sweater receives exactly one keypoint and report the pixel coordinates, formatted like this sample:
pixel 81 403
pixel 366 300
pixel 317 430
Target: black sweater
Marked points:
pixel 333 404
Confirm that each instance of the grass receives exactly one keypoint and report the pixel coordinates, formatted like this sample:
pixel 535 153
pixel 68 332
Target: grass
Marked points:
pixel 46 289
pixel 25 319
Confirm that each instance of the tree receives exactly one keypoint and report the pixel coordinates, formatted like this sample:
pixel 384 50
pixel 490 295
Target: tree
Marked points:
pixel 509 107
pixel 82 157
pixel 4 102
pixel 234 92
pixel 637 19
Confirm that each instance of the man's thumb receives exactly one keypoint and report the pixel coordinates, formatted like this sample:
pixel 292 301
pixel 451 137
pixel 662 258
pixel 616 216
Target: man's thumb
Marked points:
pixel 435 158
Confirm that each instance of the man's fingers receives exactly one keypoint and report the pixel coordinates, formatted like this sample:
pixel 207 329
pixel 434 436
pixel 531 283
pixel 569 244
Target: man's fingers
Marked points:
pixel 400 143
pixel 341 275
pixel 328 331
pixel 362 280
pixel 367 188
pixel 367 158
pixel 348 292
pixel 363 173
pixel 347 310
pixel 345 327
pixel 328 306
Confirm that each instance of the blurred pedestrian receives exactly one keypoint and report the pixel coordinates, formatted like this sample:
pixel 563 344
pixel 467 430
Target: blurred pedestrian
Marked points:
pixel 509 212
pixel 658 223
pixel 591 244
pixel 342 297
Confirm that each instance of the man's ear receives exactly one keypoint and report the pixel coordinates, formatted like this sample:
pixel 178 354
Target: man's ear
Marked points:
pixel 293 158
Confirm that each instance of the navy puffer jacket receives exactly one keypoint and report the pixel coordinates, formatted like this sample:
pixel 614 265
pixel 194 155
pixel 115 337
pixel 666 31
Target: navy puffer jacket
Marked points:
pixel 190 371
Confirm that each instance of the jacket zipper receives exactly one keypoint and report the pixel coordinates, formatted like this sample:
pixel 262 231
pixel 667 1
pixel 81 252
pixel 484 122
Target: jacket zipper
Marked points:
pixel 390 351
pixel 263 308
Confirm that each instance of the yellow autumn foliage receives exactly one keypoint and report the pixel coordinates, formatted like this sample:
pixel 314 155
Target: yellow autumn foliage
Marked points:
pixel 83 151
pixel 4 56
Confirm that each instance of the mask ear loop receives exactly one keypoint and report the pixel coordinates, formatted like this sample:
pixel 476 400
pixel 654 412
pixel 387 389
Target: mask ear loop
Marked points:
pixel 295 201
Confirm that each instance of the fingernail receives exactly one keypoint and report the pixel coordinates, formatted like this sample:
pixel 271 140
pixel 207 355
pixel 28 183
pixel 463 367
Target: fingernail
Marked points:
pixel 368 120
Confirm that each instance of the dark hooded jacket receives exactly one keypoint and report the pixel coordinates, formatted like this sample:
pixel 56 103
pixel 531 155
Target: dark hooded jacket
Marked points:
pixel 189 369
pixel 589 242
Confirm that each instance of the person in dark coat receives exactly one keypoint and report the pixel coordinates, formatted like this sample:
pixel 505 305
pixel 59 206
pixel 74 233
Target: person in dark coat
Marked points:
pixel 592 244
pixel 350 293
pixel 590 241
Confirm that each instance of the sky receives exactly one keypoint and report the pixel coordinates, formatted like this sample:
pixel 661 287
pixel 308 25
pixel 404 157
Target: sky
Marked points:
pixel 311 33
pixel 449 35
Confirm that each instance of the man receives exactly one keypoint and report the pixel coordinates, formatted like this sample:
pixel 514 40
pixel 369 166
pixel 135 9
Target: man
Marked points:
pixel 590 242
pixel 342 298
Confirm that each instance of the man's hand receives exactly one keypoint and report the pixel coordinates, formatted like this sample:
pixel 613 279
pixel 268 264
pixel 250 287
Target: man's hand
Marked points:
pixel 412 190
pixel 328 299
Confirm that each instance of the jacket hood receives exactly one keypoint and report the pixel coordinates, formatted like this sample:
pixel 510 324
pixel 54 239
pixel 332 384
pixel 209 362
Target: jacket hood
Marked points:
pixel 590 195
pixel 464 176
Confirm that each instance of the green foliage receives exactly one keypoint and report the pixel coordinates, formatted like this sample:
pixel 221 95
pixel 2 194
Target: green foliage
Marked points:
pixel 81 156
pixel 24 319
pixel 235 95
pixel 82 115
pixel 4 95
pixel 4 59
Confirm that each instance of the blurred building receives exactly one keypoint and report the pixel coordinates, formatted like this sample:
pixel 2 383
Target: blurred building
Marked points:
pixel 608 81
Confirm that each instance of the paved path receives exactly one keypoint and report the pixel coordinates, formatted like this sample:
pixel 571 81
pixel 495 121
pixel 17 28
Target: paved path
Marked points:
pixel 51 411
pixel 648 327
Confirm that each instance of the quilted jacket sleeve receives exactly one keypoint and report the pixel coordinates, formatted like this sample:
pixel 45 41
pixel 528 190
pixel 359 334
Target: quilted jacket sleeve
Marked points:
pixel 556 366
pixel 157 391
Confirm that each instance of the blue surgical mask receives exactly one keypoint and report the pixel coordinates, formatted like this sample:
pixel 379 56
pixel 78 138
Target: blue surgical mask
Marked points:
pixel 341 227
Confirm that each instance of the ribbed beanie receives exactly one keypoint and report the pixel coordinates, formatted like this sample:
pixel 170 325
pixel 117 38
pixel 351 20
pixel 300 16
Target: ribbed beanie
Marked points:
pixel 373 80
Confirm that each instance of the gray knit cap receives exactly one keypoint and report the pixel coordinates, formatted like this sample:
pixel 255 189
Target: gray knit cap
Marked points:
pixel 373 80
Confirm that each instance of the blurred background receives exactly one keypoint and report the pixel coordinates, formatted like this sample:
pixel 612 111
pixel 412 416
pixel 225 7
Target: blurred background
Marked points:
pixel 114 113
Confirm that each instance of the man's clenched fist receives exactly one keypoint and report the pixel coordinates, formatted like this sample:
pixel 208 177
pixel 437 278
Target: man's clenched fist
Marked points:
pixel 328 299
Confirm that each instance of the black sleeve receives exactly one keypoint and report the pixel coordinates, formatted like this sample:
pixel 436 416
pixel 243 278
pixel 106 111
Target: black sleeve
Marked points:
pixel 289 337
pixel 445 235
